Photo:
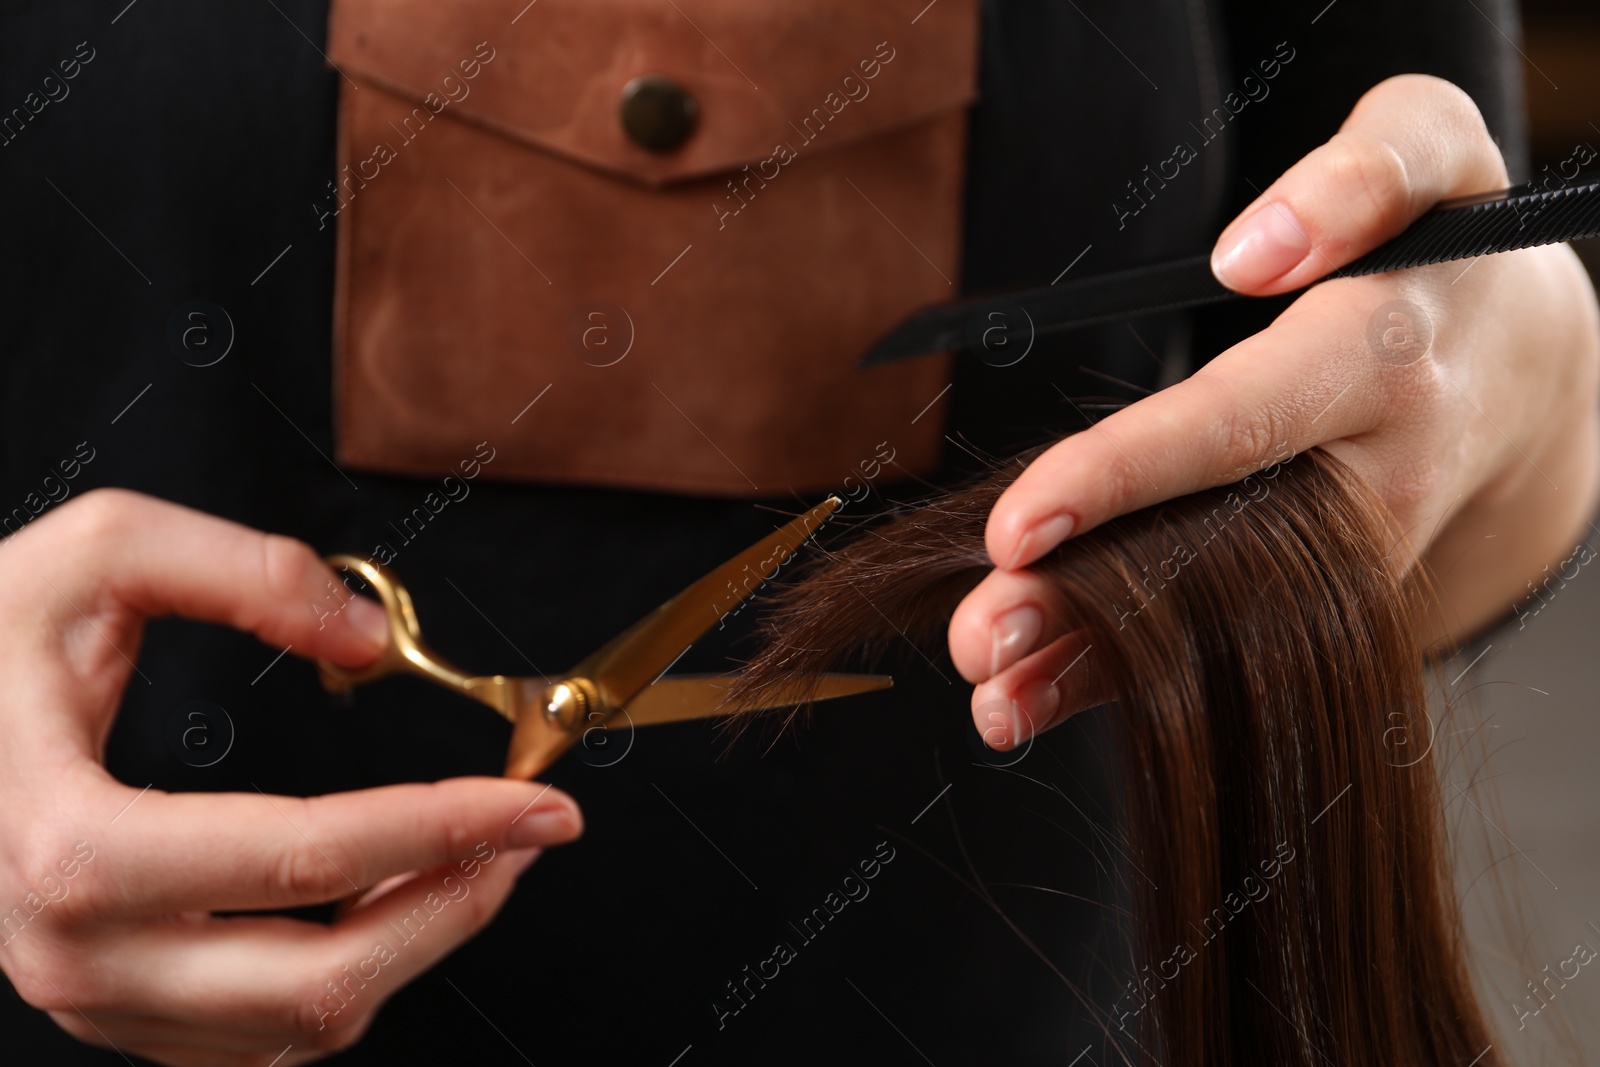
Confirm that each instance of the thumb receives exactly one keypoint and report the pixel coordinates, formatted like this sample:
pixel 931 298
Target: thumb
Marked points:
pixel 1410 142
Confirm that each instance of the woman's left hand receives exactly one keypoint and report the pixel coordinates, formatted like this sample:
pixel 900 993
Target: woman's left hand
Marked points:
pixel 1463 393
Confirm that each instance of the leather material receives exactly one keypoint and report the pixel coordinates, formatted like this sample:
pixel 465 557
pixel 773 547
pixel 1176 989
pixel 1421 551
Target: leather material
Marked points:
pixel 687 320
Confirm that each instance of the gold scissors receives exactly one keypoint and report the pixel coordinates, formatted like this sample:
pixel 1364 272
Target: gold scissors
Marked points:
pixel 624 677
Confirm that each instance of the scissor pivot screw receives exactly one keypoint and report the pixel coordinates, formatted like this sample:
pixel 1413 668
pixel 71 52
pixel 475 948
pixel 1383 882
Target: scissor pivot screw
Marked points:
pixel 567 703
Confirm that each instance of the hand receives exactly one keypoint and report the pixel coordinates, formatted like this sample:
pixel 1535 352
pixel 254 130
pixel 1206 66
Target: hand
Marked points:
pixel 1490 432
pixel 109 890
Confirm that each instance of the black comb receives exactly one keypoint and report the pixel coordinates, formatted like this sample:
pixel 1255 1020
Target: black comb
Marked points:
pixel 1520 217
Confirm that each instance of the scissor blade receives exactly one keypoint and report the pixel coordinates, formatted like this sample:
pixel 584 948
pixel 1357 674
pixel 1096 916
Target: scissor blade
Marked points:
pixel 701 696
pixel 637 656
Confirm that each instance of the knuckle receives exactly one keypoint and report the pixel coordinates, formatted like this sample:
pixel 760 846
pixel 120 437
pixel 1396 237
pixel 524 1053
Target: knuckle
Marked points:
pixel 309 868
pixel 1444 97
pixel 77 1026
pixel 313 1014
pixel 101 516
pixel 1373 174
pixel 42 981
pixel 1247 438
pixel 462 834
pixel 304 875
pixel 436 815
pixel 1121 485
pixel 453 821
pixel 331 1033
pixel 299 875
pixel 1439 95
pixel 288 567
pixel 1459 108
pixel 322 1019
pixel 480 906
pixel 79 902
pixel 46 903
pixel 1435 102
pixel 341 1032
pixel 307 1003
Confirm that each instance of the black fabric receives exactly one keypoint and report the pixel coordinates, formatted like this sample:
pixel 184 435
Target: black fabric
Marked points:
pixel 1349 49
pixel 184 165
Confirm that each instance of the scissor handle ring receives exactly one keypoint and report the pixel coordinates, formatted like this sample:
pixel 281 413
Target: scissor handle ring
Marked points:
pixel 406 652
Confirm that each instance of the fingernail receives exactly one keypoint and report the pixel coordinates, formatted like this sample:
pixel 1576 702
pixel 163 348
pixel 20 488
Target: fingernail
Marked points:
pixel 1034 710
pixel 1016 729
pixel 1269 244
pixel 544 826
pixel 1013 636
pixel 1042 538
pixel 368 620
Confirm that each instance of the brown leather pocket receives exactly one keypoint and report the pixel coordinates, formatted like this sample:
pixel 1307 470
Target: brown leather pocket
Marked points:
pixel 683 319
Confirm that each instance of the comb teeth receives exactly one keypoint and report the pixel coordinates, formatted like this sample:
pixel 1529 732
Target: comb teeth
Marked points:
pixel 1522 219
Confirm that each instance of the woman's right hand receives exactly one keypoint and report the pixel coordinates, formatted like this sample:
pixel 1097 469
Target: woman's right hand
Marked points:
pixel 109 892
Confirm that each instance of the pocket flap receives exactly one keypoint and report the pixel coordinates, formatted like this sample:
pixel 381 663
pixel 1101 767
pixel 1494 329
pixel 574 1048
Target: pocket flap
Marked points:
pixel 760 75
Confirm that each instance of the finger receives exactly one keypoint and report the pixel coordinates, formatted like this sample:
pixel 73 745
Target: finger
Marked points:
pixel 190 1056
pixel 389 885
pixel 141 1032
pixel 1279 392
pixel 316 983
pixel 1006 616
pixel 1038 692
pixel 410 914
pixel 177 1041
pixel 266 851
pixel 1410 142
pixel 138 553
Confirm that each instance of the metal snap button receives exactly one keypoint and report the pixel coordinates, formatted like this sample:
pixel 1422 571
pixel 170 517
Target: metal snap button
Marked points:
pixel 657 113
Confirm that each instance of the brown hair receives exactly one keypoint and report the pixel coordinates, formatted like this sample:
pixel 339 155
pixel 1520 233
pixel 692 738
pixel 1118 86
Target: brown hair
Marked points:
pixel 1262 656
